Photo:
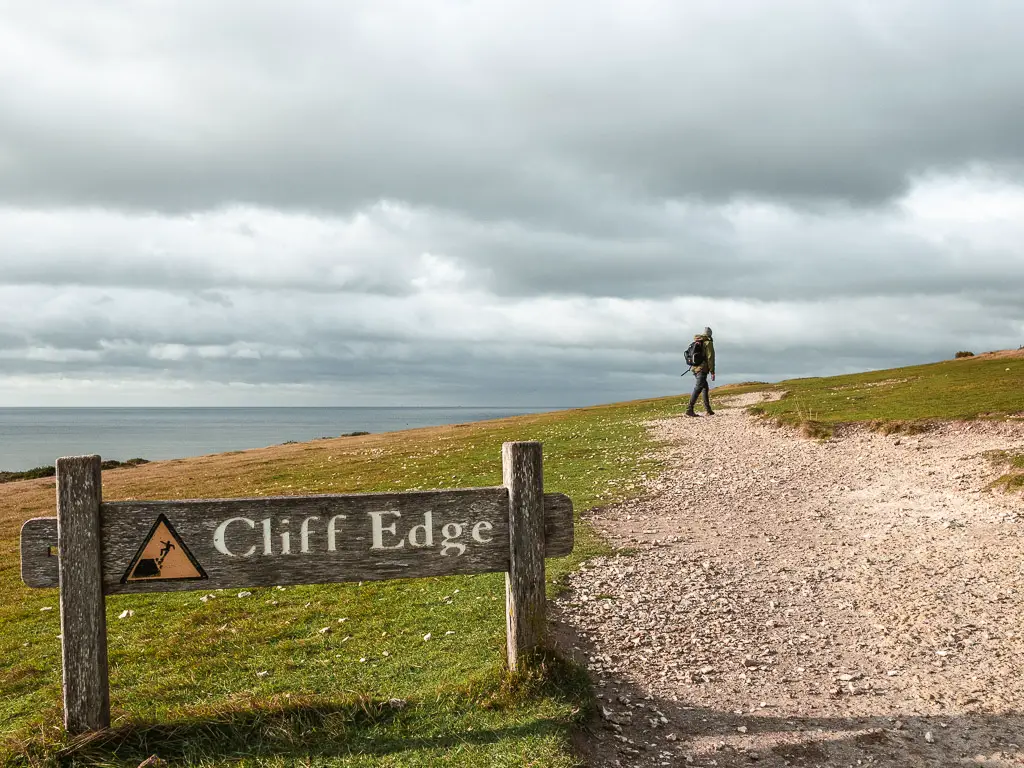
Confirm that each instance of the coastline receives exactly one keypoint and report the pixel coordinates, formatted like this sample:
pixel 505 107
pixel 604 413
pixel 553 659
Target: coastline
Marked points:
pixel 33 438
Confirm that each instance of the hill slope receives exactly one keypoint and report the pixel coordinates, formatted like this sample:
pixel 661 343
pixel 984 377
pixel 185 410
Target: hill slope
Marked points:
pixel 989 385
pixel 227 678
pixel 252 678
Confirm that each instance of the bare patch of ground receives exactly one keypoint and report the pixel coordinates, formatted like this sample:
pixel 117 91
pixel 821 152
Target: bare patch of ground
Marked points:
pixel 781 601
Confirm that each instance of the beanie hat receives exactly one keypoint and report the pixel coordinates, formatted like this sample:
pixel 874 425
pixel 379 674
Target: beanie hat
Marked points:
pixel 707 332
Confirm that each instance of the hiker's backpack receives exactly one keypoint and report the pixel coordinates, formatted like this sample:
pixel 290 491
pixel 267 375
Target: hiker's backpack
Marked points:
pixel 694 353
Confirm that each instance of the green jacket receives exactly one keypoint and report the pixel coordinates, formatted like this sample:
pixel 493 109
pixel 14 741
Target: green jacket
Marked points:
pixel 708 366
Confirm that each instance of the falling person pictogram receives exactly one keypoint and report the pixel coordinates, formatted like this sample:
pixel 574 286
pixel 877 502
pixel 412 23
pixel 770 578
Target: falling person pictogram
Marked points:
pixel 163 556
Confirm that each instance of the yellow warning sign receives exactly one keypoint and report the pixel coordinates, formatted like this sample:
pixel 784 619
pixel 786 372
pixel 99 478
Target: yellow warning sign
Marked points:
pixel 163 556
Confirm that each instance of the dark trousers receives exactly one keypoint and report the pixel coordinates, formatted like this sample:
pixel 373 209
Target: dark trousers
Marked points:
pixel 701 387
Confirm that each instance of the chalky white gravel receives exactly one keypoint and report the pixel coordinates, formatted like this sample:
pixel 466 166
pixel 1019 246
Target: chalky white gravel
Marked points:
pixel 783 601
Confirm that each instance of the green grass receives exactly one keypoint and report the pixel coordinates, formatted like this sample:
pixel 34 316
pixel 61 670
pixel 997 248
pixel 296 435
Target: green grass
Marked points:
pixel 1013 480
pixel 253 681
pixel 899 399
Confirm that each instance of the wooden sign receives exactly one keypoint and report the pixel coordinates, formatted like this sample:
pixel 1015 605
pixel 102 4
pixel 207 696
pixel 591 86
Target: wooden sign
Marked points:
pixel 164 546
pixel 95 548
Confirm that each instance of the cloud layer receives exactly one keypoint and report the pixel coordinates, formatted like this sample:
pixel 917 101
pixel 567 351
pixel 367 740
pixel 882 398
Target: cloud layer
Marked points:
pixel 398 203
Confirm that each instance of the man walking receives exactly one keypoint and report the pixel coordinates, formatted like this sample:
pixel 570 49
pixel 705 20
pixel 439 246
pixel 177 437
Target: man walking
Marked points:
pixel 703 363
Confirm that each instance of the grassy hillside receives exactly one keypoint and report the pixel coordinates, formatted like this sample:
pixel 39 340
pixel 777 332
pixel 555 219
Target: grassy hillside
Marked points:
pixel 254 681
pixel 898 399
pixel 214 681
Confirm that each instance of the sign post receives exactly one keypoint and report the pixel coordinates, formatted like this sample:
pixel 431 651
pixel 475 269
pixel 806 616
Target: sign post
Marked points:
pixel 129 547
pixel 525 596
pixel 83 615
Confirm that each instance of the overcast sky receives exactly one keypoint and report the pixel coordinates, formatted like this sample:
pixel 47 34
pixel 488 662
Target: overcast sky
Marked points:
pixel 499 203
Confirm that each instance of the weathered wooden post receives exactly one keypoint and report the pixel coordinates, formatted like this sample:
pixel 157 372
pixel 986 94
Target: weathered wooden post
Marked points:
pixel 83 616
pixel 525 602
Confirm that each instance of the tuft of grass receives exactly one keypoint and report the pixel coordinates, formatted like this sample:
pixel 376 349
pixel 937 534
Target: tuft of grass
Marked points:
pixel 1012 480
pixel 253 681
pixel 962 354
pixel 816 430
pixel 900 427
pixel 802 420
pixel 1011 483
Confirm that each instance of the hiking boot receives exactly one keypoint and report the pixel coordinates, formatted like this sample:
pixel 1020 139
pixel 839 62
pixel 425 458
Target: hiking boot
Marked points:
pixel 691 413
pixel 711 413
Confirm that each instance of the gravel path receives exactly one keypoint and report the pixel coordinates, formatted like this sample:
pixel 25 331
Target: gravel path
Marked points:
pixel 780 601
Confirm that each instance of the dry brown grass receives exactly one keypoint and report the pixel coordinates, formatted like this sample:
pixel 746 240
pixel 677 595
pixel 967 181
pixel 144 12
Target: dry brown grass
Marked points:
pixel 227 475
pixel 900 427
pixel 1008 354
pixel 815 430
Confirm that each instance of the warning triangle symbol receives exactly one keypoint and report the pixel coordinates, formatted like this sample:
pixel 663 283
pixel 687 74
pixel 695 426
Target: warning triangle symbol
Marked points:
pixel 163 556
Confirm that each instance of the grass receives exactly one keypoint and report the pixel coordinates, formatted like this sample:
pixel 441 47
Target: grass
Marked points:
pixel 898 399
pixel 1013 480
pixel 253 681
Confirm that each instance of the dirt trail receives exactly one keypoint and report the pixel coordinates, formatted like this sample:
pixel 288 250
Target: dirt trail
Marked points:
pixel 790 602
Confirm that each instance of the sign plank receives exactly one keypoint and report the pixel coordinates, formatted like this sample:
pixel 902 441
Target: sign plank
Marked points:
pixel 163 546
pixel 39 552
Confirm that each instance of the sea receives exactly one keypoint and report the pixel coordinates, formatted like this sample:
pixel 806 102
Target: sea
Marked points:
pixel 34 437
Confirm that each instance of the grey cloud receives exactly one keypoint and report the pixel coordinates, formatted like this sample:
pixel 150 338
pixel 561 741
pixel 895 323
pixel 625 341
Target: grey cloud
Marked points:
pixel 443 375
pixel 744 251
pixel 798 257
pixel 610 358
pixel 519 111
pixel 201 253
pixel 513 204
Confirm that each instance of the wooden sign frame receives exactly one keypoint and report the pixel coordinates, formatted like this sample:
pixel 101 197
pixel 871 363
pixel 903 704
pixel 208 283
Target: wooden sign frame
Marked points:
pixel 105 548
